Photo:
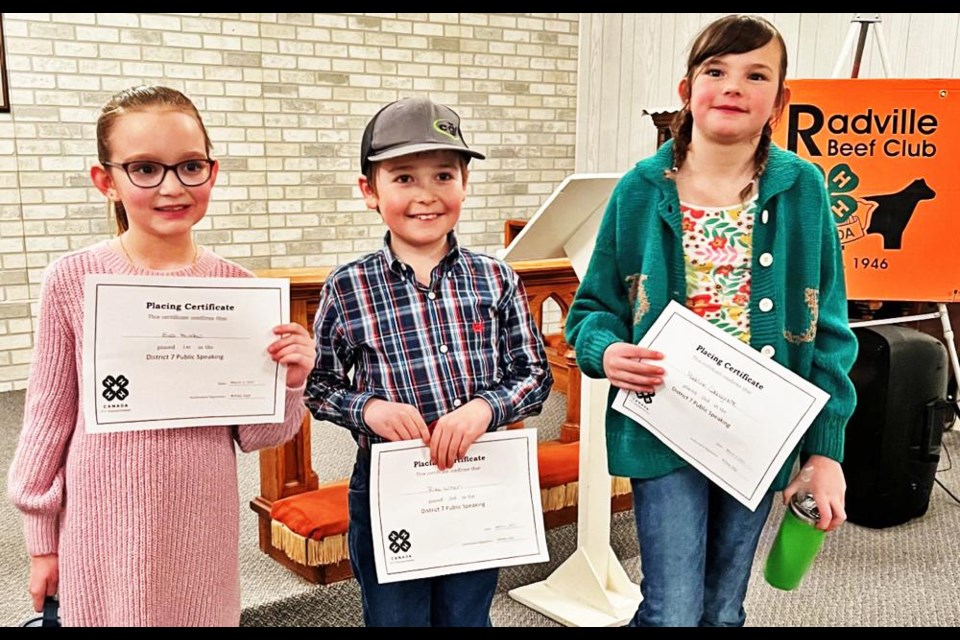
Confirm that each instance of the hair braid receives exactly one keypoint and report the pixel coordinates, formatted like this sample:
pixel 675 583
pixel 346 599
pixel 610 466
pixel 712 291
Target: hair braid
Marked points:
pixel 760 157
pixel 682 130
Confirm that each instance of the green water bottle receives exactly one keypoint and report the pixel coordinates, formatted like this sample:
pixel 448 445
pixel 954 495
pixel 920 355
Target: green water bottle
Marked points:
pixel 797 544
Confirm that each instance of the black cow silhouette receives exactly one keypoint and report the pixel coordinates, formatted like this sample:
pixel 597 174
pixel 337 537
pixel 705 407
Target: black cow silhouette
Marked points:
pixel 894 210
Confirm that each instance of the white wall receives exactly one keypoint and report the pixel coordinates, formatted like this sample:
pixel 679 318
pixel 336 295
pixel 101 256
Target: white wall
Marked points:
pixel 285 97
pixel 633 61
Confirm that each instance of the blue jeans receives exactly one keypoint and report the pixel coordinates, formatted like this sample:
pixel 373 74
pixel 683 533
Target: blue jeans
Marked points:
pixel 696 550
pixel 458 600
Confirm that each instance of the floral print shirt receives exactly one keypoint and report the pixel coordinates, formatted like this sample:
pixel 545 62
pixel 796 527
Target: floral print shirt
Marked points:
pixel 716 248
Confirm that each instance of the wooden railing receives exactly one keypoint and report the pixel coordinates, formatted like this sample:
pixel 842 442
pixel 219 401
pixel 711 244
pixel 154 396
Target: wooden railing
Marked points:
pixel 556 280
pixel 287 470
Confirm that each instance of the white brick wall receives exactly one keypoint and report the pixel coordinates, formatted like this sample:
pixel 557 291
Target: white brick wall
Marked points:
pixel 285 97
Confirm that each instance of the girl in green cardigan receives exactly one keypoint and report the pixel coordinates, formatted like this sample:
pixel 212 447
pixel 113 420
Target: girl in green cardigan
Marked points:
pixel 741 232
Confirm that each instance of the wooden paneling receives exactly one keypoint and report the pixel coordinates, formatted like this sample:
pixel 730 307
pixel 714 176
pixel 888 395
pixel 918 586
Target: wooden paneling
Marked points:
pixel 628 59
pixel 895 29
pixel 633 62
pixel 932 43
pixel 645 33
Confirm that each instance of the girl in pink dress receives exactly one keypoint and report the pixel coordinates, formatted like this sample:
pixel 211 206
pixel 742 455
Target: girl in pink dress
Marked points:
pixel 138 528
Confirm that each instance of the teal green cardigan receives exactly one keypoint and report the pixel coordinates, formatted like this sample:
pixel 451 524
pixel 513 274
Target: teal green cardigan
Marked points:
pixel 637 267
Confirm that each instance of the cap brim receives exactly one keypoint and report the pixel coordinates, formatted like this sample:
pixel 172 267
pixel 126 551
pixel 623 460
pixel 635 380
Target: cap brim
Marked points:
pixel 405 150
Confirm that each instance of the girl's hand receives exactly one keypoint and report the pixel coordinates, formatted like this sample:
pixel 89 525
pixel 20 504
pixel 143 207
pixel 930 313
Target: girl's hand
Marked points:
pixel 295 349
pixel 822 477
pixel 624 366
pixel 44 578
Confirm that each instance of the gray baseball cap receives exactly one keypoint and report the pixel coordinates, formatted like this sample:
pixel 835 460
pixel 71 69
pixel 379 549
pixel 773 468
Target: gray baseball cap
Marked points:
pixel 412 125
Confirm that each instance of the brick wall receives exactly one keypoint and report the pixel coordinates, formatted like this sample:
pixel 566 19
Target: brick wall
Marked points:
pixel 285 97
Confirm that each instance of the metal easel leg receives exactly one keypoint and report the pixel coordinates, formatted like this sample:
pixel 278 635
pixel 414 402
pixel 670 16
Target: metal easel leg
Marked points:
pixel 951 345
pixel 859 27
pixel 882 47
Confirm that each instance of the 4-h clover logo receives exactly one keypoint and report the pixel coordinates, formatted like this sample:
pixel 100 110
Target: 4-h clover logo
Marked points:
pixel 841 182
pixel 646 397
pixel 399 541
pixel 115 388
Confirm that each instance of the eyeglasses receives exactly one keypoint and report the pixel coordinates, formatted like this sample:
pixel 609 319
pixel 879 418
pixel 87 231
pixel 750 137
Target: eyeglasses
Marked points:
pixel 146 175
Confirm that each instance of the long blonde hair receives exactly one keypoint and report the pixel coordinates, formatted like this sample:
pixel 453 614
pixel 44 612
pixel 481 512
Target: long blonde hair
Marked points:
pixel 139 99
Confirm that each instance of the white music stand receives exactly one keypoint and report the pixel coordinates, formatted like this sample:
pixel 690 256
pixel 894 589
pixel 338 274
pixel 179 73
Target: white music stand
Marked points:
pixel 590 588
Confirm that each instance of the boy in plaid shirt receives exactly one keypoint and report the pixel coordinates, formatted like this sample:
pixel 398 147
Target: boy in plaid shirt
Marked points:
pixel 433 334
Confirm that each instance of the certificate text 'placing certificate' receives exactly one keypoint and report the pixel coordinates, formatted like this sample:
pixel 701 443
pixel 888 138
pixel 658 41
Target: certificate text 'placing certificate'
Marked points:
pixel 729 411
pixel 483 512
pixel 165 352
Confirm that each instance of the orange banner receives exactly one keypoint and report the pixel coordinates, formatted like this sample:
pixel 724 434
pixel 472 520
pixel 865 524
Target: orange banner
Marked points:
pixel 890 154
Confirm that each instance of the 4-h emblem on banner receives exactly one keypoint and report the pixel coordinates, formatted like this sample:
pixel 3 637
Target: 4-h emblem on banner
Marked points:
pixel 888 151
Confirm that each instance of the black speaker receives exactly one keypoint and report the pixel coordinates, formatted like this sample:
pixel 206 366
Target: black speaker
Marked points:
pixel 893 439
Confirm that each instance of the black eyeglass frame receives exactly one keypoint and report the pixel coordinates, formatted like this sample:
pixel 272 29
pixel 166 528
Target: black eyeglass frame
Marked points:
pixel 210 162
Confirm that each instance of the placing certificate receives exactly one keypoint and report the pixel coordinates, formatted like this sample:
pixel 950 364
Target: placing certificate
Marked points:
pixel 727 410
pixel 484 512
pixel 165 352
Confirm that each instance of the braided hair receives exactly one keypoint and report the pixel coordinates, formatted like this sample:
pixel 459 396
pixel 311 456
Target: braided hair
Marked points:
pixel 732 34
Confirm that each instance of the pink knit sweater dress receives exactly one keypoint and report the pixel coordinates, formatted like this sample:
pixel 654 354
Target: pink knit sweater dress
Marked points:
pixel 145 522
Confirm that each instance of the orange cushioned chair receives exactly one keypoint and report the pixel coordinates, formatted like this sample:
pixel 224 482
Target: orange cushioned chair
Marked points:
pixel 559 465
pixel 311 527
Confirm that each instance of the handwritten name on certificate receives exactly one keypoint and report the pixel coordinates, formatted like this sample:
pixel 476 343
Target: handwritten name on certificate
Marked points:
pixel 729 411
pixel 483 512
pixel 167 352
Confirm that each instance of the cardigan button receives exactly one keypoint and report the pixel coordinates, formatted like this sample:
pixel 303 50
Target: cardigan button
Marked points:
pixel 766 260
pixel 765 216
pixel 768 351
pixel 766 305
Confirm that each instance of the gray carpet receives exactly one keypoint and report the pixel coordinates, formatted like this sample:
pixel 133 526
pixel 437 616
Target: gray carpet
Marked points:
pixel 899 576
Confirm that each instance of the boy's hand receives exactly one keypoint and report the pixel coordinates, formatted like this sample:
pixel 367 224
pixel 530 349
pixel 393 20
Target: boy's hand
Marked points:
pixel 624 366
pixel 456 431
pixel 295 349
pixel 395 421
pixel 44 578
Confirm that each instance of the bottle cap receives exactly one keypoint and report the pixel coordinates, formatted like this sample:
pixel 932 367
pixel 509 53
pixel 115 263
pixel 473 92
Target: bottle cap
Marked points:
pixel 805 508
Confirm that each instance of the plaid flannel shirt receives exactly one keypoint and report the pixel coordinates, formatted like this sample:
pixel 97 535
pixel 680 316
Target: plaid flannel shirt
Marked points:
pixel 469 334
